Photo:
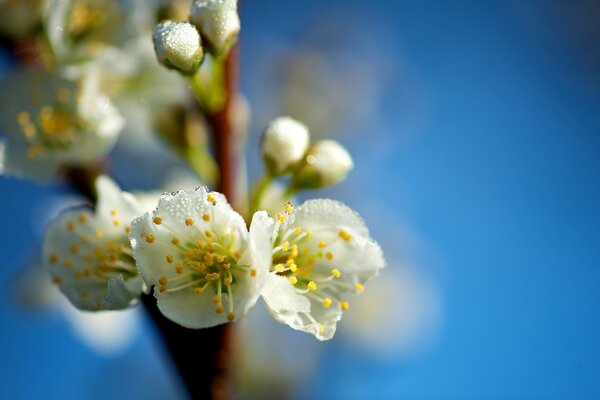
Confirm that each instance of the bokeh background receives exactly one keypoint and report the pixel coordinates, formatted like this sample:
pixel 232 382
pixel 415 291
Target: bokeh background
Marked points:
pixel 475 130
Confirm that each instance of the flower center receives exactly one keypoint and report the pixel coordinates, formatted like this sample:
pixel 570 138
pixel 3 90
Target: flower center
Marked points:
pixel 210 260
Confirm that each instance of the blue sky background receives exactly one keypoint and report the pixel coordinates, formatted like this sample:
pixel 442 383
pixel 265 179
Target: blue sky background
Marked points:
pixel 484 143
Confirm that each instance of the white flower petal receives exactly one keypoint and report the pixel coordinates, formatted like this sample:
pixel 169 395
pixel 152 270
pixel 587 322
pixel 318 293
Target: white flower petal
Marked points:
pixel 195 250
pixel 88 255
pixel 321 252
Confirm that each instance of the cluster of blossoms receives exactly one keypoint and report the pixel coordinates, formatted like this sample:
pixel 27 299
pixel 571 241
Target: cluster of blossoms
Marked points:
pixel 203 261
pixel 204 266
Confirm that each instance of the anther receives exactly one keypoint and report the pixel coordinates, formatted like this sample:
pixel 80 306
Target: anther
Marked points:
pixel 70 225
pixel 230 316
pixel 293 267
pixel 293 280
pixel 53 258
pixel 208 233
pixel 311 285
pixel 57 280
pixel 211 198
pixel 298 230
pixel 360 288
pixel 179 269
pixel 163 280
pixel 157 220
pixel 127 229
pixel 162 288
pixel 98 233
pixel 68 263
pixel 189 221
pixel 116 222
pixel 175 241
pixel 113 212
pixel 216 299
pixel 213 276
pixel 345 305
pixel 322 243
pixel 326 302
pixel 219 309
pixel 345 235
pixel 336 272
pixel 281 217
pixel 206 217
pixel 285 246
pixel 329 256
pixel 289 208
pixel 150 238
pixel 253 272
pixel 227 281
pixel 83 218
pixel 169 259
pixel 279 268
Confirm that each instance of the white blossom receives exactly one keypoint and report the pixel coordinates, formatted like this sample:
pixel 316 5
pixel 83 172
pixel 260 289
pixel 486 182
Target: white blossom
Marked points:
pixel 320 251
pixel 284 142
pixel 218 23
pixel 88 255
pixel 326 162
pixel 195 250
pixel 51 121
pixel 178 46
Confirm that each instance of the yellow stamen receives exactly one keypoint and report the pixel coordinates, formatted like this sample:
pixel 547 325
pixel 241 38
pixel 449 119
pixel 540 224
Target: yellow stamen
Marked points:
pixel 360 288
pixel 345 235
pixel 326 302
pixel 219 309
pixel 189 221
pixel 281 217
pixel 68 263
pixel 253 272
pixel 322 243
pixel 206 217
pixel 175 241
pixel 216 299
pixel 312 285
pixel 336 272
pixel 289 208
pixel 169 259
pixel 163 280
pixel 157 220
pixel 345 305
pixel 150 238
pixel 329 256
pixel 211 198
pixel 230 316
pixel 293 280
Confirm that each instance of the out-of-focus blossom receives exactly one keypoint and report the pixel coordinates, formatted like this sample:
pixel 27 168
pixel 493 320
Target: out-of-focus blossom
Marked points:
pixel 218 23
pixel 326 163
pixel 178 46
pixel 88 255
pixel 51 121
pixel 320 252
pixel 284 142
pixel 195 250
pixel 81 29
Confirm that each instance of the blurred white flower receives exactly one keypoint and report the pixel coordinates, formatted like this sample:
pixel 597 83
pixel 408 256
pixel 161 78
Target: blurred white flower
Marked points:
pixel 88 255
pixel 178 46
pixel 284 142
pixel 195 250
pixel 326 162
pixel 320 252
pixel 218 23
pixel 52 121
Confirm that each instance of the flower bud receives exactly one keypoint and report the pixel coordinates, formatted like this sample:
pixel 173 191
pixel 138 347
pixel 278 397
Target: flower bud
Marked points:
pixel 326 163
pixel 284 142
pixel 178 46
pixel 218 23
